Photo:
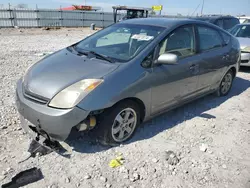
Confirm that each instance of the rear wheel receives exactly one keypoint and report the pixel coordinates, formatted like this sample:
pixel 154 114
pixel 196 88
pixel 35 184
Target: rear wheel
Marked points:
pixel 118 123
pixel 226 84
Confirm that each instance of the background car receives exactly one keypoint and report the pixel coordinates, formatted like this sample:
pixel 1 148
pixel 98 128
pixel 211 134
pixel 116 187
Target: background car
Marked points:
pixel 244 19
pixel 124 75
pixel 242 32
pixel 225 22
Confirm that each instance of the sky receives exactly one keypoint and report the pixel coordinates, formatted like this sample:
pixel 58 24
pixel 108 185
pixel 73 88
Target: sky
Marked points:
pixel 171 7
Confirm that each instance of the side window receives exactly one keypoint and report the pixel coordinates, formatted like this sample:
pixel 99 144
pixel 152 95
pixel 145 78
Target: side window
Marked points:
pixel 229 23
pixel 180 42
pixel 209 38
pixel 146 63
pixel 219 23
pixel 226 38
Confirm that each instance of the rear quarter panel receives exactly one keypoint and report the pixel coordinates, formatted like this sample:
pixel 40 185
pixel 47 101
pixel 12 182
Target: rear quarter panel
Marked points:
pixel 235 53
pixel 234 57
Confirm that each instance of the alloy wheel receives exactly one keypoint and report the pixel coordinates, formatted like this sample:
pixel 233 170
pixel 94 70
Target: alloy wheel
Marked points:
pixel 226 83
pixel 124 125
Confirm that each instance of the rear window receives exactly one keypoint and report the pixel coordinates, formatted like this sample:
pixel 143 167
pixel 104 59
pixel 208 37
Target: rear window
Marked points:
pixel 229 23
pixel 219 23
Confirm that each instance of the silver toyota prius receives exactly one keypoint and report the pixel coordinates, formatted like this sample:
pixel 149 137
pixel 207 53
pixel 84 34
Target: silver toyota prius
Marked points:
pixel 242 33
pixel 123 75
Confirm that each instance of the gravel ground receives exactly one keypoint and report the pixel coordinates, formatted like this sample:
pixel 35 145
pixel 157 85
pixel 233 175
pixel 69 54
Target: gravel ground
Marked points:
pixel 210 137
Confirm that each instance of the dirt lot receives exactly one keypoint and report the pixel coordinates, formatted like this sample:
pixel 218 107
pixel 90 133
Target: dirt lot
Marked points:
pixel 210 137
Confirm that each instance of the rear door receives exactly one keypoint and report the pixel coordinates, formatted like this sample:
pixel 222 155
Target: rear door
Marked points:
pixel 214 55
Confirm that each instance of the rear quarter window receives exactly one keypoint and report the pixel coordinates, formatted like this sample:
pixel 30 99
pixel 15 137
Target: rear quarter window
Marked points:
pixel 229 23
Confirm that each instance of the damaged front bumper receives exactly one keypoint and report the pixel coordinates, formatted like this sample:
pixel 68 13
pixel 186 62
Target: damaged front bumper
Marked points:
pixel 39 119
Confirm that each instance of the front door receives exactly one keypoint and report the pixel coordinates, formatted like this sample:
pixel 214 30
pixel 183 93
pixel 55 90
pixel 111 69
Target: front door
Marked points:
pixel 174 83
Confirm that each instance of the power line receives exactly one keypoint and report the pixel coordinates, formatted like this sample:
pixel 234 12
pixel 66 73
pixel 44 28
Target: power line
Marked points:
pixel 195 9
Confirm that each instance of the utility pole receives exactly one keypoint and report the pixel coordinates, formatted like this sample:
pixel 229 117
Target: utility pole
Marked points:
pixel 202 7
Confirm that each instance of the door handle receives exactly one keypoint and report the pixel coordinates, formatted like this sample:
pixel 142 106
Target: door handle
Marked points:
pixel 192 67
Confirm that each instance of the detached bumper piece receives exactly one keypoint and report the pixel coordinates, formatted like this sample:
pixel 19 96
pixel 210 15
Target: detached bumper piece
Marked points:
pixel 24 178
pixel 44 147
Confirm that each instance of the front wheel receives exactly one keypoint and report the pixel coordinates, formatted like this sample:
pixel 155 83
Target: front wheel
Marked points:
pixel 118 123
pixel 226 84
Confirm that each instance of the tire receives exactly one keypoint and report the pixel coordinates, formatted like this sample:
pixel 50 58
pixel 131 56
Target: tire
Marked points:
pixel 226 84
pixel 114 119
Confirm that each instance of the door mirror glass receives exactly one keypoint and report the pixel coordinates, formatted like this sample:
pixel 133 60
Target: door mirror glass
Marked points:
pixel 168 59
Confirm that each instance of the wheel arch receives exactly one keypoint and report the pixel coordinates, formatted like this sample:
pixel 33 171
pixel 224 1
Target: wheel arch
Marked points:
pixel 234 71
pixel 139 102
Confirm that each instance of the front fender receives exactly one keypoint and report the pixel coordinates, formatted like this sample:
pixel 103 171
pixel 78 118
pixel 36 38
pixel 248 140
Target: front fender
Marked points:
pixel 127 82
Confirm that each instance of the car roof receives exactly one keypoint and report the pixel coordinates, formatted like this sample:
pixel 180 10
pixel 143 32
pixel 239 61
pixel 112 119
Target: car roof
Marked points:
pixel 213 17
pixel 162 22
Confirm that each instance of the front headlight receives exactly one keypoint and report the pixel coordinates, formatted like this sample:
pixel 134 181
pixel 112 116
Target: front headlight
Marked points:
pixel 246 49
pixel 72 95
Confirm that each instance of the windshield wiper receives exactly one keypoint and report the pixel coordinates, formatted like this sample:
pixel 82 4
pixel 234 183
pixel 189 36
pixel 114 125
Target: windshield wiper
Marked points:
pixel 73 47
pixel 101 56
pixel 87 53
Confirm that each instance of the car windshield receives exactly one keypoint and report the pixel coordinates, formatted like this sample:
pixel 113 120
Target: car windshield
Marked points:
pixel 241 31
pixel 120 42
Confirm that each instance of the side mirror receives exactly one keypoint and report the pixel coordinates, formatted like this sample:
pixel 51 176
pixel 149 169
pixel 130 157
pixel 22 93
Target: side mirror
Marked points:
pixel 168 59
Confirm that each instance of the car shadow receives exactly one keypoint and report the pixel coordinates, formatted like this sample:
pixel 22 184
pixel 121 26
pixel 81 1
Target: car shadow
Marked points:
pixel 85 143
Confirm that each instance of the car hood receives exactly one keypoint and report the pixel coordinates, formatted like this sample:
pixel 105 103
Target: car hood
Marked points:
pixel 244 42
pixel 61 69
